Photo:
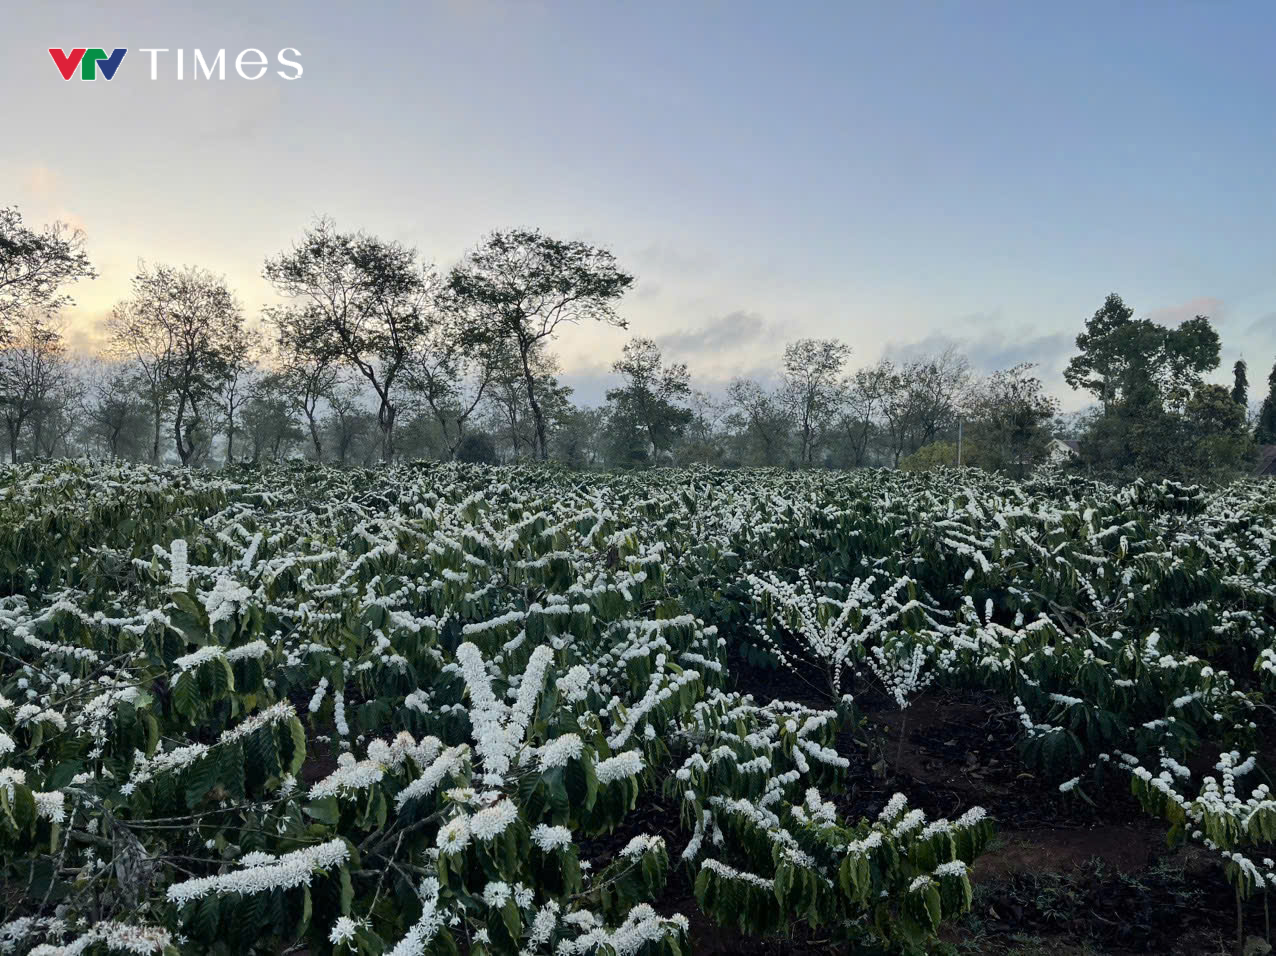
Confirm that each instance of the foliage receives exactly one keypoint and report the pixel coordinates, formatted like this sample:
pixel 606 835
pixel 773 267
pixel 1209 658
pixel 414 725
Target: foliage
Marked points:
pixel 1009 413
pixel 1135 362
pixel 362 301
pixel 647 412
pixel 34 266
pixel 519 286
pixel 501 664
pixel 941 454
pixel 1265 428
pixel 812 390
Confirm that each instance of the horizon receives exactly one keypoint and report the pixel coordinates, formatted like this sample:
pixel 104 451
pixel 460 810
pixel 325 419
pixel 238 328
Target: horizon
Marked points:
pixel 979 180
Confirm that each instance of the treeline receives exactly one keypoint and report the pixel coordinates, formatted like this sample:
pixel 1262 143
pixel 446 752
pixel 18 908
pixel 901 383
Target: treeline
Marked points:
pixel 376 355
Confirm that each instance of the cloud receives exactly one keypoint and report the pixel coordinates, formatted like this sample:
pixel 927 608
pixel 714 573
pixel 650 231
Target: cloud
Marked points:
pixel 646 291
pixel 1206 305
pixel 589 385
pixel 1266 325
pixel 981 318
pixel 664 258
pixel 992 350
pixel 723 334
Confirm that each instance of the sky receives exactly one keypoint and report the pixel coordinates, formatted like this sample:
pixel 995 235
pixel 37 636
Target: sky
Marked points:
pixel 903 176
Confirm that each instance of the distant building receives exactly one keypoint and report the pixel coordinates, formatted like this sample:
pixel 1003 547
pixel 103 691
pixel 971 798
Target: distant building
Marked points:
pixel 1266 467
pixel 1061 449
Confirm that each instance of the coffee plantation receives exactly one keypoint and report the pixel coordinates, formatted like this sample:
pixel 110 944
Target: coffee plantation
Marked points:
pixel 422 709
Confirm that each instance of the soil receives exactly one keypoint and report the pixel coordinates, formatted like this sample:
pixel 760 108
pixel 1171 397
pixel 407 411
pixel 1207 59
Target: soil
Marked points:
pixel 1063 876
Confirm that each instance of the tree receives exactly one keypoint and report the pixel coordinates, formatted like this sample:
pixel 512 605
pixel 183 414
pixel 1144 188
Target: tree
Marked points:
pixel 1102 362
pixel 941 454
pixel 56 417
pixel 762 418
pixel 1265 429
pixel 1146 376
pixel 35 265
pixel 308 375
pixel 864 396
pixel 937 387
pixel 812 391
pixel 193 325
pixel 32 366
pixel 268 419
pixel 367 303
pixel 1240 384
pixel 577 442
pixel 143 347
pixel 919 400
pixel 111 410
pixel 702 439
pixel 452 371
pixel 1009 413
pixel 521 285
pixel 651 398
pixel 899 409
pixel 476 448
pixel 1137 362
pixel 241 352
pixel 1216 438
pixel 507 398
pixel 348 423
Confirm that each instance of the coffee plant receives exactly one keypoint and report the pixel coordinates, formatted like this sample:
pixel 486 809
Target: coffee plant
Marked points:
pixel 423 709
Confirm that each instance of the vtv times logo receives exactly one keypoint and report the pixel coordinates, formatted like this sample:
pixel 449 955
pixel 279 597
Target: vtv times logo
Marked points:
pixel 88 61
pixel 250 64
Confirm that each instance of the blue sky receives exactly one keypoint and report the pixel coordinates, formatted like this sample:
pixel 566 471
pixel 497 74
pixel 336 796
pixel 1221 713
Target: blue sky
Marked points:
pixel 902 176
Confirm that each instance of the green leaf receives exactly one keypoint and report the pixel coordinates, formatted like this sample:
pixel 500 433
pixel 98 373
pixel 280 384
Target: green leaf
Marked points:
pixel 325 810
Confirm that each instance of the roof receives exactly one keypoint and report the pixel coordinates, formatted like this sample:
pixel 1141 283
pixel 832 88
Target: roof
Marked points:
pixel 1266 461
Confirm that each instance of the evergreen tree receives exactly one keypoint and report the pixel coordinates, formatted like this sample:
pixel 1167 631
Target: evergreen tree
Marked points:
pixel 1265 432
pixel 1240 386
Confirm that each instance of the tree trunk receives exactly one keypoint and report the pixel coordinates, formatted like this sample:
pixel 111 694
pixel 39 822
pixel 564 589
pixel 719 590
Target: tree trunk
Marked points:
pixel 155 445
pixel 385 418
pixel 183 452
pixel 314 434
pixel 542 450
